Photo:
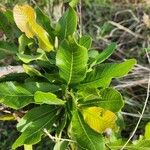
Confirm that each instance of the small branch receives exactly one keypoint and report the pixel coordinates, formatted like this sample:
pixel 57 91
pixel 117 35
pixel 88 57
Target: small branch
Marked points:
pixel 135 115
pixel 128 84
pixel 119 26
pixel 54 139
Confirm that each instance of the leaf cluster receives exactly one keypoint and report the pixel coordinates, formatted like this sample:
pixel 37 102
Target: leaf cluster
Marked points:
pixel 67 84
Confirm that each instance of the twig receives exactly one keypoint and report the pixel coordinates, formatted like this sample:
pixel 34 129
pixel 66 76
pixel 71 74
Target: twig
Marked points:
pixel 135 115
pixel 132 83
pixel 57 139
pixel 119 26
pixel 143 110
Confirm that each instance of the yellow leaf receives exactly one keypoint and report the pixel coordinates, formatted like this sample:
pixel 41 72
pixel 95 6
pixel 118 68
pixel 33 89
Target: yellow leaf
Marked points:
pixel 7 117
pixel 42 36
pixel 99 119
pixel 25 19
pixel 22 16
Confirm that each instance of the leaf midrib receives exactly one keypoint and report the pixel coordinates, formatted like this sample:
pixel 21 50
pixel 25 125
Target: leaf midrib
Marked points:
pixel 71 68
pixel 11 95
pixel 41 127
pixel 85 130
pixel 37 118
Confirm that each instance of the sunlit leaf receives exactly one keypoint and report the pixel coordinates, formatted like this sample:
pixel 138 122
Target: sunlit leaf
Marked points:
pixel 138 145
pixel 25 18
pixel 44 20
pixel 28 147
pixel 147 131
pixel 99 119
pixel 28 58
pixel 85 41
pixel 67 24
pixel 68 59
pixel 31 71
pixel 84 136
pixel 47 98
pixel 109 99
pixel 23 42
pixel 88 94
pixel 22 16
pixel 102 74
pixel 105 54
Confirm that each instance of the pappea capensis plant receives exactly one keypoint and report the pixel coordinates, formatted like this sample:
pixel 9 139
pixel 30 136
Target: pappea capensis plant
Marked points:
pixel 65 90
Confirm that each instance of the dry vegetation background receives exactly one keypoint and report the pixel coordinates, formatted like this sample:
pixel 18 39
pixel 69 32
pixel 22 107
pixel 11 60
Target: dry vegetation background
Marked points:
pixel 126 22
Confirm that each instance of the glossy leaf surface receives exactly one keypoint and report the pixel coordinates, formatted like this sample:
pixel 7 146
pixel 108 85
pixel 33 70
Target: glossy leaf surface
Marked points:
pixel 102 74
pixel 47 98
pixel 33 124
pixel 85 137
pixel 68 60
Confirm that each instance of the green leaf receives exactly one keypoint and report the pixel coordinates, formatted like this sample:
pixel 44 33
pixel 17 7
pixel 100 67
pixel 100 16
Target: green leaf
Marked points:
pixel 47 98
pixel 15 95
pixel 110 99
pixel 67 24
pixel 138 145
pixel 105 54
pixel 28 147
pixel 85 41
pixel 33 124
pixel 61 145
pixel 93 54
pixel 73 3
pixel 147 131
pixel 85 137
pixel 44 20
pixel 40 86
pixel 86 94
pixel 102 74
pixel 142 145
pixel 28 58
pixel 68 59
pixel 7 24
pixel 23 42
pixel 7 49
pixel 31 71
pixel 25 19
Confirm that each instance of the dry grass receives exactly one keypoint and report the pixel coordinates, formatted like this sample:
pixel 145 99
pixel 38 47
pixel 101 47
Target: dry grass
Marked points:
pixel 126 27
